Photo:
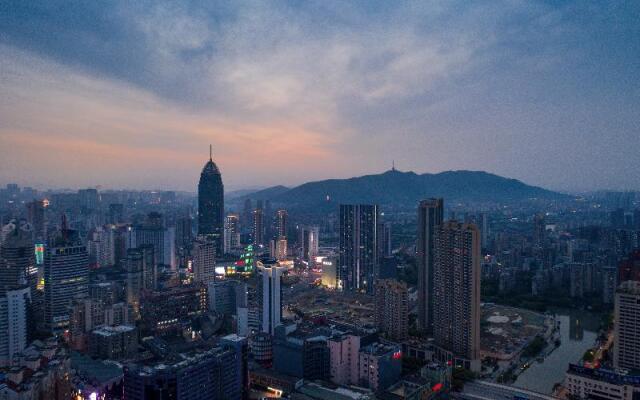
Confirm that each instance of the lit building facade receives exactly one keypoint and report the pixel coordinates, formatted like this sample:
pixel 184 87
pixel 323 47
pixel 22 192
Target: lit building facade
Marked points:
pixel 66 276
pixel 358 259
pixel 231 232
pixel 270 294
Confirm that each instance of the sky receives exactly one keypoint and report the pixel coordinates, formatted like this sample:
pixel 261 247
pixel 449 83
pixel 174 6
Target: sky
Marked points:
pixel 124 94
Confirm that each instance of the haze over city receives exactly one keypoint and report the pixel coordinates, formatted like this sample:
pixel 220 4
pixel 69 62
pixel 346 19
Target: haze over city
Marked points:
pixel 129 95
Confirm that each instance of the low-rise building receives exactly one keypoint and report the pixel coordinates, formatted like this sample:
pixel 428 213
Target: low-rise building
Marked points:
pixel 380 366
pixel 114 342
pixel 302 353
pixel 589 383
pixel 203 375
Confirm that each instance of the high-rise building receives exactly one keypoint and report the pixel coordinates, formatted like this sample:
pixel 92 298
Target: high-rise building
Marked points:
pixel 456 291
pixel 17 260
pixel 66 276
pixel 281 249
pixel 231 232
pixel 609 284
pixel 617 218
pixel 270 294
pixel 152 232
pixel 384 240
pixel 225 297
pixel 211 204
pixel 627 326
pixel 392 308
pixel 247 217
pixel 141 275
pixel 358 247
pixel 281 223
pixel 89 199
pixel 116 213
pixel 240 346
pixel 13 323
pixel 629 267
pixel 484 229
pixel 430 217
pixel 309 242
pixel 37 218
pixel 204 260
pixel 539 229
pixel 257 233
pixel 101 246
pixel 184 234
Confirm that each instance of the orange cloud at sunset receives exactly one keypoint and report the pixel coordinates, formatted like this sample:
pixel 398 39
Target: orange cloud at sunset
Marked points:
pixel 100 132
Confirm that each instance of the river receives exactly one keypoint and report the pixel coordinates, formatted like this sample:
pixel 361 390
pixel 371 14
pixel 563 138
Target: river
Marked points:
pixel 578 332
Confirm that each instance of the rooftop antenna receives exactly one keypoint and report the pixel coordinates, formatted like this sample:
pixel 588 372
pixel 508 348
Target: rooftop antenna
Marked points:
pixel 210 153
pixel 393 165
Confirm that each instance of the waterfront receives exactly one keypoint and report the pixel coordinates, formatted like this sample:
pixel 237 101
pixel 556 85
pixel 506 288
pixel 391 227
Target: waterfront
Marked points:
pixel 578 332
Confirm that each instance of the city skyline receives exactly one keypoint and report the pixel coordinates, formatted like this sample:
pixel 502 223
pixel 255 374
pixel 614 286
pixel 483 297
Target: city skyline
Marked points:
pixel 97 94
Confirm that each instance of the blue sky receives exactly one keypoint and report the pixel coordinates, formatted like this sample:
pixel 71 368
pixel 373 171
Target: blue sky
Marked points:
pixel 130 94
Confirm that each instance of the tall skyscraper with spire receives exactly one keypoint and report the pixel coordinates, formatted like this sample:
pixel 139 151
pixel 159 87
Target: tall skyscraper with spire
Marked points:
pixel 211 204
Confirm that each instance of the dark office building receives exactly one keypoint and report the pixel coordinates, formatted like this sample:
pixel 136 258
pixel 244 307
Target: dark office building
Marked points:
pixel 17 261
pixel 358 247
pixel 211 205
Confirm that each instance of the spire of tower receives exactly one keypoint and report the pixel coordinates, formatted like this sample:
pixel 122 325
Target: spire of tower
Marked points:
pixel 393 165
pixel 210 152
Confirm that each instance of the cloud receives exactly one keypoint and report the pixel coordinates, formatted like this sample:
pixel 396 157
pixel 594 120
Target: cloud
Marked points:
pixel 74 129
pixel 349 85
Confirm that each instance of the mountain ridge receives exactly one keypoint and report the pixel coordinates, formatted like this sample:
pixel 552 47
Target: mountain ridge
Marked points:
pixel 399 188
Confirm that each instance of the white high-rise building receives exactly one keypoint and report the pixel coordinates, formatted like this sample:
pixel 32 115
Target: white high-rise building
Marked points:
pixel 153 232
pixel 627 326
pixel 13 323
pixel 309 242
pixel 101 246
pixel 270 294
pixel 204 261
pixel 231 232
pixel 281 249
